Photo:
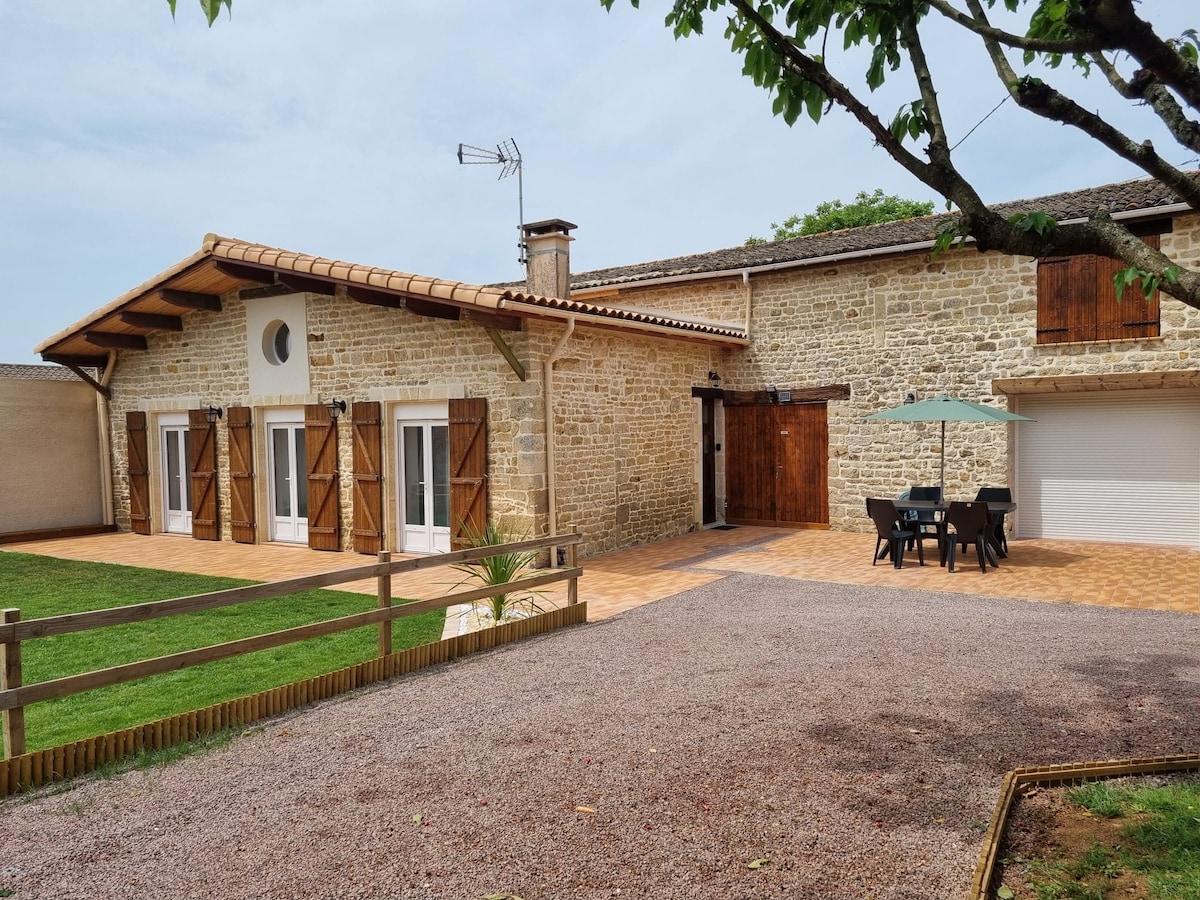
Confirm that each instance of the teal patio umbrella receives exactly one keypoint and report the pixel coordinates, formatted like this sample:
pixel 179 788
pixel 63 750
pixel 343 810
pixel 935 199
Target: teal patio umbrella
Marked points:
pixel 947 409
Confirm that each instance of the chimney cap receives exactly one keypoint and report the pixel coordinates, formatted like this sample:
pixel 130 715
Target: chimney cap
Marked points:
pixel 548 226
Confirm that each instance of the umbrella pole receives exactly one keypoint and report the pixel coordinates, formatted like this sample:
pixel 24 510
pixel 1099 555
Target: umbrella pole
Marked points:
pixel 943 461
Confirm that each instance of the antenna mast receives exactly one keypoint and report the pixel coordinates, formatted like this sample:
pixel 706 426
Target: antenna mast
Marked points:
pixel 508 156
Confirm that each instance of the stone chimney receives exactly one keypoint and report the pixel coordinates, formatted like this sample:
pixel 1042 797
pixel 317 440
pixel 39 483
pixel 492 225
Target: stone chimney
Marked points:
pixel 548 250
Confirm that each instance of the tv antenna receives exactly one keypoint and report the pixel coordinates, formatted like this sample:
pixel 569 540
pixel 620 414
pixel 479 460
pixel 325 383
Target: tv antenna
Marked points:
pixel 508 156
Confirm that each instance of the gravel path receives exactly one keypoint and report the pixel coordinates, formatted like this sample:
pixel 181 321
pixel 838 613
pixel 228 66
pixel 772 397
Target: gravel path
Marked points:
pixel 854 737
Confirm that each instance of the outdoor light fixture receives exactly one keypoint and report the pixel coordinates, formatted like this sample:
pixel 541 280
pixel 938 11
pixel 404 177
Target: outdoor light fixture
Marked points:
pixel 212 414
pixel 336 408
pixel 715 379
pixel 910 398
pixel 772 394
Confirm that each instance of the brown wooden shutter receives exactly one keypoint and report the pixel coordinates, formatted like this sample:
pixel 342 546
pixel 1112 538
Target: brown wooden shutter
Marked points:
pixel 468 469
pixel 137 462
pixel 1066 287
pixel 1133 316
pixel 368 476
pixel 320 448
pixel 202 466
pixel 241 474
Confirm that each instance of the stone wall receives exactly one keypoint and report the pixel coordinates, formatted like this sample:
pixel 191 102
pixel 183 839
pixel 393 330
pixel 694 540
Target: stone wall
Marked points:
pixel 623 410
pixel 888 326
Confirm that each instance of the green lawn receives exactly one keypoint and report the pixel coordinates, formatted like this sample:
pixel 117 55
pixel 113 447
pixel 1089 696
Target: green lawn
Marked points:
pixel 43 586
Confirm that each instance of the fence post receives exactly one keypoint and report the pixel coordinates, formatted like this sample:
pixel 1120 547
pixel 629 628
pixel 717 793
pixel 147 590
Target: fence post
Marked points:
pixel 384 593
pixel 10 677
pixel 572 582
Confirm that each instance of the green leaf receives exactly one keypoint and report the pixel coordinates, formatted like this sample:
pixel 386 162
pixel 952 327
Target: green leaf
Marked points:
pixel 1005 893
pixel 171 3
pixel 757 863
pixel 1036 221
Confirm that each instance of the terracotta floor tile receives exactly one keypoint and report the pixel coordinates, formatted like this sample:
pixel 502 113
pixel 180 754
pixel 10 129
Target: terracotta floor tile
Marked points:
pixel 1124 575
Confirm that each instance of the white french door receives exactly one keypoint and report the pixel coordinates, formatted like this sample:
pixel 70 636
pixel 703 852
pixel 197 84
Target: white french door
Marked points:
pixel 175 443
pixel 423 476
pixel 289 482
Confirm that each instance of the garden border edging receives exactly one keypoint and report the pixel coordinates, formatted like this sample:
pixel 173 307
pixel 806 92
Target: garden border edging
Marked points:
pixel 1050 776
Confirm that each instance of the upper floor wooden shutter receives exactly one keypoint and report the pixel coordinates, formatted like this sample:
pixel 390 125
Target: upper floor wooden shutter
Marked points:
pixel 241 474
pixel 1078 302
pixel 368 476
pixel 137 463
pixel 202 466
pixel 324 508
pixel 468 469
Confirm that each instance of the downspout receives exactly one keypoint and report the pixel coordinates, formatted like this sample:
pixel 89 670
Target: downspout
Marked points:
pixel 548 403
pixel 749 299
pixel 106 476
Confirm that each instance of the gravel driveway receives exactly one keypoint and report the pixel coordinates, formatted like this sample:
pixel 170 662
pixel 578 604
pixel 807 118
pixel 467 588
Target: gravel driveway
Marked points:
pixel 853 737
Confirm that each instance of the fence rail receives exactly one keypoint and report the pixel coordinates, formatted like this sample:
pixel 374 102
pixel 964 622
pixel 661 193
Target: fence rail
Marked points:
pixel 15 695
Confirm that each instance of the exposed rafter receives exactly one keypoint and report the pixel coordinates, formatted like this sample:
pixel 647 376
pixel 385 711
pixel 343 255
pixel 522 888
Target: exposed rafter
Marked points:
pixel 494 320
pixel 115 341
pixel 374 298
pixel 156 321
pixel 191 299
pixel 267 290
pixel 73 360
pixel 245 273
pixel 306 284
pixel 432 310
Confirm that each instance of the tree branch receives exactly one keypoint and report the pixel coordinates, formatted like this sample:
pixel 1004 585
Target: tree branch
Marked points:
pixel 1145 88
pixel 982 28
pixel 1117 22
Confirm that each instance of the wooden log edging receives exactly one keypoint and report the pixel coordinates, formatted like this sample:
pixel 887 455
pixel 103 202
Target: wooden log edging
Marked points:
pixel 40 767
pixel 1017 780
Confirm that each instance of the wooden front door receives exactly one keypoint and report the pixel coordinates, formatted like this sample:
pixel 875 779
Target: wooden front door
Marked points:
pixel 777 465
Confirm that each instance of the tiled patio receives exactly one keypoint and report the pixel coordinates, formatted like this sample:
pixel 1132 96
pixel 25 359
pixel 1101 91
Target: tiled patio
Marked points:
pixel 1124 575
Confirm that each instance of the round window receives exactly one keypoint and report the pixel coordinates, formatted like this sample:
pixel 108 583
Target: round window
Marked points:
pixel 277 343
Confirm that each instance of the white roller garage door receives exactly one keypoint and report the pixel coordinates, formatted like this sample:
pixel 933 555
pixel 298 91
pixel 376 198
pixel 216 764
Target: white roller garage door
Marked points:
pixel 1110 466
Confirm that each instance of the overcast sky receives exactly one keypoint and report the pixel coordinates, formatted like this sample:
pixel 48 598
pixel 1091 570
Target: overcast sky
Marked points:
pixel 332 129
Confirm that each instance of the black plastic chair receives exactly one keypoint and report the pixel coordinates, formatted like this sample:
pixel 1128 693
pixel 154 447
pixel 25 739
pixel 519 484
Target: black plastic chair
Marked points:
pixel 925 523
pixel 888 527
pixel 969 522
pixel 997 495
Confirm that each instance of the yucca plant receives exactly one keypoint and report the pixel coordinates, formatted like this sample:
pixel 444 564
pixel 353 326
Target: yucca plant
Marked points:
pixel 499 569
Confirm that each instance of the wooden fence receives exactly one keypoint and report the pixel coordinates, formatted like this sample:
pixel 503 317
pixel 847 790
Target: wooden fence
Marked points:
pixel 21 771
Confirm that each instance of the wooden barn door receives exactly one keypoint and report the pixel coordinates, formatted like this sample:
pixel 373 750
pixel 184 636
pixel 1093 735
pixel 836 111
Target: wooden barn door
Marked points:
pixel 320 450
pixel 241 475
pixel 777 464
pixel 368 477
pixel 468 469
pixel 137 453
pixel 749 465
pixel 203 469
pixel 802 462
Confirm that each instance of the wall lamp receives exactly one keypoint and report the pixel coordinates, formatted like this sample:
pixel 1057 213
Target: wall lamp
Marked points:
pixel 715 379
pixel 336 408
pixel 213 413
pixel 910 398
pixel 772 394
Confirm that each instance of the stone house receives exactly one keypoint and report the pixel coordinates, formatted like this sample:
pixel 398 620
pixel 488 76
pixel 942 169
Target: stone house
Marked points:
pixel 259 394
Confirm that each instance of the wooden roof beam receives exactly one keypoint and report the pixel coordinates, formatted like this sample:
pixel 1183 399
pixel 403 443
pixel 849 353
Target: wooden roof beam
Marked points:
pixel 115 341
pixel 153 321
pixel 432 310
pixel 73 360
pixel 191 299
pixel 306 284
pixel 245 273
pixel 495 321
pixel 374 298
